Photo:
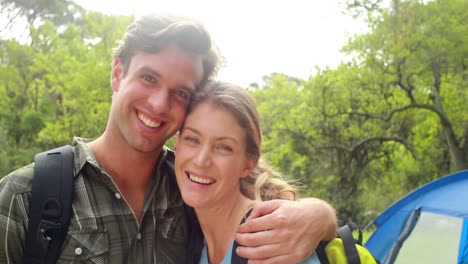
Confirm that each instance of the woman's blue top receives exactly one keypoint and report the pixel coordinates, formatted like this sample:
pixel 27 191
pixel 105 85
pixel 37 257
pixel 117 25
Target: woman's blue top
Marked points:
pixel 313 259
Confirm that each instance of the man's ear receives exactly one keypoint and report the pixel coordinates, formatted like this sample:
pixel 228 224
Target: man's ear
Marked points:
pixel 116 75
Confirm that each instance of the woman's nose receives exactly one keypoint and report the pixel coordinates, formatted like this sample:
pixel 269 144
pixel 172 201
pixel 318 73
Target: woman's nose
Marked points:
pixel 203 157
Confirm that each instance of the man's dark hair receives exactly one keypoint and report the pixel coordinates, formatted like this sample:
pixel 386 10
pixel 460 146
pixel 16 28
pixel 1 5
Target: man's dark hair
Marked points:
pixel 152 33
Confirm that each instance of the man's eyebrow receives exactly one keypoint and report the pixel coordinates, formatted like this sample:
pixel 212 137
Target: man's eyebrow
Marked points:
pixel 190 89
pixel 149 70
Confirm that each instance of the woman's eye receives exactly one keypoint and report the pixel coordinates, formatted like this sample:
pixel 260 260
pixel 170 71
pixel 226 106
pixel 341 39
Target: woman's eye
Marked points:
pixel 225 148
pixel 191 139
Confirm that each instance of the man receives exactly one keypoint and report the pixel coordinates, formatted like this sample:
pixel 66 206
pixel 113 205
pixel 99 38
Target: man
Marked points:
pixel 126 208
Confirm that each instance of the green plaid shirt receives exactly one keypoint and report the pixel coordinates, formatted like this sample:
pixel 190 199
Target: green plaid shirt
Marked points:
pixel 103 228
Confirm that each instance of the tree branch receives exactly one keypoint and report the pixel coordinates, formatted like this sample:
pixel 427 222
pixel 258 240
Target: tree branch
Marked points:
pixel 399 81
pixel 367 141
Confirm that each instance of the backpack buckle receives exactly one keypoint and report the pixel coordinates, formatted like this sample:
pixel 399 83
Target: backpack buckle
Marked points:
pixel 49 229
pixel 50 224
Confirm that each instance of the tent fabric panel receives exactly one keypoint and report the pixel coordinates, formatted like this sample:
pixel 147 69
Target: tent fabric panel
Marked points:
pixel 448 192
pixel 444 211
pixel 463 254
pixel 405 231
pixel 447 195
pixel 438 236
pixel 382 239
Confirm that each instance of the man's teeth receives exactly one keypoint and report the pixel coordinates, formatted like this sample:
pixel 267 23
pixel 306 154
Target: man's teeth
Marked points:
pixel 200 180
pixel 148 122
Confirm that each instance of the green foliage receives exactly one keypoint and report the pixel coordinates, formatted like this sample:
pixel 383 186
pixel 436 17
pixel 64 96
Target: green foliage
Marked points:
pixel 360 135
pixel 364 134
pixel 59 12
pixel 55 87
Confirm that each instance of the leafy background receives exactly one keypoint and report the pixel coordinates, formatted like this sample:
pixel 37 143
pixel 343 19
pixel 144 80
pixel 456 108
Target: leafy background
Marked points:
pixel 360 135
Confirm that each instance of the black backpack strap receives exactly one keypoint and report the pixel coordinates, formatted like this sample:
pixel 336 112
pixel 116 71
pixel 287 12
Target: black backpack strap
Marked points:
pixel 349 243
pixel 236 259
pixel 51 205
pixel 321 253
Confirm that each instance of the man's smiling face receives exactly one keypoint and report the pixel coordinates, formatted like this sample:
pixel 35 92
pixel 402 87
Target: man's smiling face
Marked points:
pixel 150 99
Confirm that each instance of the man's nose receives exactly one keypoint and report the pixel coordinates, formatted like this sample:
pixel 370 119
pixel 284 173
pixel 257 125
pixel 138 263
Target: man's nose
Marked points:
pixel 160 99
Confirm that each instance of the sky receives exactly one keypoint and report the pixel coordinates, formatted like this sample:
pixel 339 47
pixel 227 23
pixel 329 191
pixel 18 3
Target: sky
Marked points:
pixel 259 37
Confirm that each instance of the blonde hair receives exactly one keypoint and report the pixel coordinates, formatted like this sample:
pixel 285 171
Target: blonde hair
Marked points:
pixel 264 183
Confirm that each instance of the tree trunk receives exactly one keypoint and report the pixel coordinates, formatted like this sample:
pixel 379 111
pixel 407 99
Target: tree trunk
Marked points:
pixel 456 151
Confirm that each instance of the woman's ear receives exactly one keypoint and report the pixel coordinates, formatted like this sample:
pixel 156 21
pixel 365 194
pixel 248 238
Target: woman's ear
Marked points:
pixel 250 166
pixel 176 139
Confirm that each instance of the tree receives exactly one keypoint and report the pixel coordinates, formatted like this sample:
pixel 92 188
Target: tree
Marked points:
pixel 320 141
pixel 388 121
pixel 59 12
pixel 420 49
pixel 56 86
pixel 19 122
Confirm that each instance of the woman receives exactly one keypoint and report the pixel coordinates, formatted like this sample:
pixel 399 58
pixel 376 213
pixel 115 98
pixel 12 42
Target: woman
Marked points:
pixel 218 168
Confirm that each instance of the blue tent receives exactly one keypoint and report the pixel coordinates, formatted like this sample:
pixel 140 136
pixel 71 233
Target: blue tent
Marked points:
pixel 429 225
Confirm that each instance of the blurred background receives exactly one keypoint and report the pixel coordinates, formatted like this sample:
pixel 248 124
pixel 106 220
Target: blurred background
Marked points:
pixel 361 101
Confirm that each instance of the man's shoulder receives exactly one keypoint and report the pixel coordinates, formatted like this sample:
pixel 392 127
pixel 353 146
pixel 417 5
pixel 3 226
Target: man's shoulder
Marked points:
pixel 18 181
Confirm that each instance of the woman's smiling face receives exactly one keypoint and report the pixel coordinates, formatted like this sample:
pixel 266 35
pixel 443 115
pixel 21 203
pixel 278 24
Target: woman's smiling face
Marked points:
pixel 211 156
